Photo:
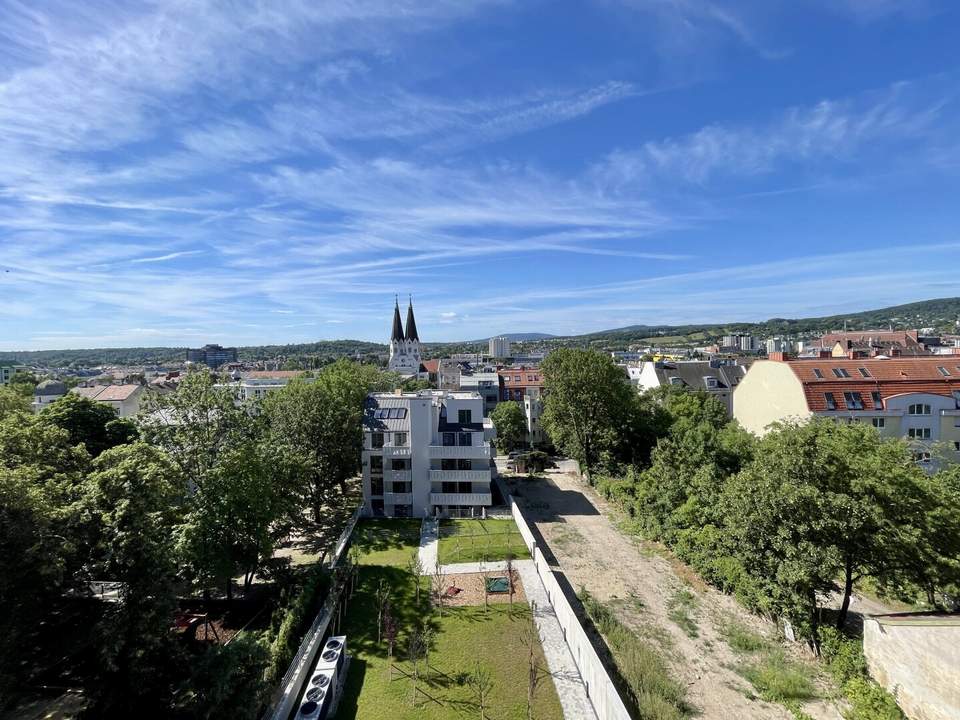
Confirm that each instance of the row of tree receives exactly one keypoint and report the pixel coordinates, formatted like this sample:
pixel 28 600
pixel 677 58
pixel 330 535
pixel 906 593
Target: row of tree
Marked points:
pixel 791 523
pixel 195 494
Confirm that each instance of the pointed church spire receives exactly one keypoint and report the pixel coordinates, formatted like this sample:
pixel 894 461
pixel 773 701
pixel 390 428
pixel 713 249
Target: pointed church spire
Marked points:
pixel 411 333
pixel 397 333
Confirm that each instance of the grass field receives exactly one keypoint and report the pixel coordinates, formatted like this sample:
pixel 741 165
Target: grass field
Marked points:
pixel 464 541
pixel 462 637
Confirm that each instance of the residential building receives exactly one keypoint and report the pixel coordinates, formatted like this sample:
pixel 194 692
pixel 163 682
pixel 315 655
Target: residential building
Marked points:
pixel 533 410
pixel 7 373
pixel 212 355
pixel 486 384
pixel 405 356
pixel 46 392
pixel 425 454
pixel 778 345
pixel 500 347
pixel 515 382
pixel 125 399
pixel 874 343
pixel 719 378
pixel 917 398
pixel 625 356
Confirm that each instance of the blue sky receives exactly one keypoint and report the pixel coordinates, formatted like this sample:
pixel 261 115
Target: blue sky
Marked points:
pixel 264 172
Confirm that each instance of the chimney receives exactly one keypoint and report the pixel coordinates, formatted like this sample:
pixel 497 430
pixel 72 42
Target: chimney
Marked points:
pixel 778 356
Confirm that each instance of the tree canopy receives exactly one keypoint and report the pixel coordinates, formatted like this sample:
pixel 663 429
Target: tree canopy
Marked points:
pixel 511 424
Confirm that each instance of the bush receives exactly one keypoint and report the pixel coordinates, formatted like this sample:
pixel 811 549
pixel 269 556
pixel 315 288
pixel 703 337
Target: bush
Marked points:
pixel 292 621
pixel 779 680
pixel 847 664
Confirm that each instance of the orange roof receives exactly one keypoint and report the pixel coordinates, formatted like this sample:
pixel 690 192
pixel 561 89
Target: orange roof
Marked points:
pixel 888 376
pixel 431 365
pixel 107 393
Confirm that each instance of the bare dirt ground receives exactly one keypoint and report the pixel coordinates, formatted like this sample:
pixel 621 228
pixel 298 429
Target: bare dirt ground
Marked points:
pixel 642 582
pixel 471 590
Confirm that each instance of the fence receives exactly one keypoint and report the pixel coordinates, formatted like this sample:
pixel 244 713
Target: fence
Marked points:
pixel 606 701
pixel 286 696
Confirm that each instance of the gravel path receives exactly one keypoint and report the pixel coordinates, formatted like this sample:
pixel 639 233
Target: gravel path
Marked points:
pixel 638 581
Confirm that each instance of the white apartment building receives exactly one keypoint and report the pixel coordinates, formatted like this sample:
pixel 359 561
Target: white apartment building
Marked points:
pixel 8 371
pixel 715 377
pixel 425 454
pixel 487 384
pixel 499 347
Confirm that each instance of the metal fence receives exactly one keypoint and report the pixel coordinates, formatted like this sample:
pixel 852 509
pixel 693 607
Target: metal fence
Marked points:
pixel 606 701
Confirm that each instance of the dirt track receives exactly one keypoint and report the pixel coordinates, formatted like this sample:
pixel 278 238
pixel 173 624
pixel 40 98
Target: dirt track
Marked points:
pixel 639 580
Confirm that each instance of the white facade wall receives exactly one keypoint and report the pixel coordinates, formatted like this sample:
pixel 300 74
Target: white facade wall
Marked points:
pixel 428 465
pixel 499 347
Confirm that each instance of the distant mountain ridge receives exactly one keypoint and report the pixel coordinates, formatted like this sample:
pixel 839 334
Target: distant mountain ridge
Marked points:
pixel 939 313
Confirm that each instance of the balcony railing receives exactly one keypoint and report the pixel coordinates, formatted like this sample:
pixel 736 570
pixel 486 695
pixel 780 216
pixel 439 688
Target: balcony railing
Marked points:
pixel 398 476
pixel 459 476
pixel 397 498
pixel 396 451
pixel 444 452
pixel 460 498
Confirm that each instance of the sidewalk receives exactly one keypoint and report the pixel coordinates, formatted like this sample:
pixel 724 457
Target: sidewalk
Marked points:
pixel 428 545
pixel 570 687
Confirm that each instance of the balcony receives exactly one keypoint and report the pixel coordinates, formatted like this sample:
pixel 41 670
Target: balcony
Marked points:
pixel 399 476
pixel 460 476
pixel 460 498
pixel 396 451
pixel 447 452
pixel 398 498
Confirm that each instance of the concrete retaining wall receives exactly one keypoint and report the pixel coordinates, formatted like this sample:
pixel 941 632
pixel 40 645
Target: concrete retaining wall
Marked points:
pixel 606 701
pixel 917 658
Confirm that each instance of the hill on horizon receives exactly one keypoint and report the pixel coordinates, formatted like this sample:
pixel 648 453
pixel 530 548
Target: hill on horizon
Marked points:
pixel 939 313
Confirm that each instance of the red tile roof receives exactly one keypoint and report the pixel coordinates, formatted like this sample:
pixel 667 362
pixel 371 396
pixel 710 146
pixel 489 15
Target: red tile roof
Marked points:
pixel 889 377
pixel 268 374
pixel 431 365
pixel 871 337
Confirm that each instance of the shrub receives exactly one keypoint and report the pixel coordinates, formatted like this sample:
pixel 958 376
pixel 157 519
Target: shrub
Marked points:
pixel 846 663
pixel 743 640
pixel 779 680
pixel 292 620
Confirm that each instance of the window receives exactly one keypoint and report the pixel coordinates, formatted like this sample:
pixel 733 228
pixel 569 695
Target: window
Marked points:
pixel 918 433
pixel 877 400
pixel 831 402
pixel 818 374
pixel 943 371
pixel 403 511
pixel 376 440
pixel 449 439
pixel 516 378
pixel 921 457
pixel 376 463
pixel 464 416
pixel 448 487
pixel 864 372
pixel 918 409
pixel 529 378
pixel 448 464
pixel 377 507
pixel 854 400
pixel 400 438
pixel 401 487
pixel 841 372
pixel 956 398
pixel 465 464
pixel 464 439
pixel 676 381
pixel 879 423
pixel 398 465
pixel 376 486
pixel 956 445
pixel 464 487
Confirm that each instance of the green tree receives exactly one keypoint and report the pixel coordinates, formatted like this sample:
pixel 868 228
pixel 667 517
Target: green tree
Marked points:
pixel 12 402
pixel 94 424
pixel 135 493
pixel 511 424
pixel 590 410
pixel 318 424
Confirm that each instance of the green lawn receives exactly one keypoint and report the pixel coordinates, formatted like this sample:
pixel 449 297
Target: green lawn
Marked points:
pixel 464 541
pixel 387 541
pixel 462 637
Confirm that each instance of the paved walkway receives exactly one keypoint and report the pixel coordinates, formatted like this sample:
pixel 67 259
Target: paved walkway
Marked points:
pixel 573 694
pixel 428 545
pixel 463 568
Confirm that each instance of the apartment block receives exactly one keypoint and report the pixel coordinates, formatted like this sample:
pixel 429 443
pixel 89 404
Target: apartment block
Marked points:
pixel 425 454
pixel 915 398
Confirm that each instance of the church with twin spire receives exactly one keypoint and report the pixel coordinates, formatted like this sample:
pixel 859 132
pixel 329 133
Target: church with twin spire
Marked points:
pixel 405 357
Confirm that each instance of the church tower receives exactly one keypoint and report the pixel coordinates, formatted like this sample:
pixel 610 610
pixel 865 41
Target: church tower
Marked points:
pixel 404 344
